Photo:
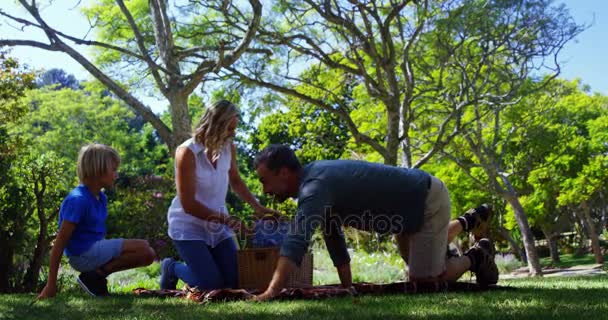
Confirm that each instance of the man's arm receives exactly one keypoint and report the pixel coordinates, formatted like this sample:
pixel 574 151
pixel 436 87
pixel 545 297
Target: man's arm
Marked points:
pixel 311 202
pixel 346 278
pixel 284 268
pixel 336 245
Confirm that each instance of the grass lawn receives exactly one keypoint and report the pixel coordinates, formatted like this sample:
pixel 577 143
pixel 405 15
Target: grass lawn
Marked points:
pixel 548 298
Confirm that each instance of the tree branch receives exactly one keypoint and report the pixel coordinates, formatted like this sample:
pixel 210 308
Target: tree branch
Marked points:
pixel 228 59
pixel 341 113
pixel 142 47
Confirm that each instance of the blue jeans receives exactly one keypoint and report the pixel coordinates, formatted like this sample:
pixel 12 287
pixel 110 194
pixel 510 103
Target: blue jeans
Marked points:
pixel 206 267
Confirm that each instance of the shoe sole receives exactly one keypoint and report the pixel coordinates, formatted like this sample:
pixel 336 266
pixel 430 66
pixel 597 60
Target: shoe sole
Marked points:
pixel 85 288
pixel 483 228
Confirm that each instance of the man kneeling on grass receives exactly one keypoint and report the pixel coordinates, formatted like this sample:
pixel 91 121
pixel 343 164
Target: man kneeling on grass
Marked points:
pixel 409 203
pixel 82 228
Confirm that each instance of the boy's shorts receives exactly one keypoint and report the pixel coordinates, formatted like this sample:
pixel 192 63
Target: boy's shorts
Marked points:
pixel 100 253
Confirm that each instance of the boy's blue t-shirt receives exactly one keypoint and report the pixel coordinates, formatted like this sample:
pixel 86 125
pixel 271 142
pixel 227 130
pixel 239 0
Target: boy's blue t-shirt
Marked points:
pixel 89 214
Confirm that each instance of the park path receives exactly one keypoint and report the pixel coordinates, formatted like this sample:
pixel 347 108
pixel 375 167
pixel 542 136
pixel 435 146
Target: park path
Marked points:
pixel 581 270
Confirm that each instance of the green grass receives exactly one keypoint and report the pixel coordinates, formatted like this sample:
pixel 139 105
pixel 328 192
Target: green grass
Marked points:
pixel 555 298
pixel 548 298
pixel 569 260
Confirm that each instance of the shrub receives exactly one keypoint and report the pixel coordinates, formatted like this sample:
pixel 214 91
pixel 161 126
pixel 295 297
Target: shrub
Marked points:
pixel 507 263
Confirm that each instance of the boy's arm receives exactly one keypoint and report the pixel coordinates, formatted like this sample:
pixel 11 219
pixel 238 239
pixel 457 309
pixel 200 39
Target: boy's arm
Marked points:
pixel 64 235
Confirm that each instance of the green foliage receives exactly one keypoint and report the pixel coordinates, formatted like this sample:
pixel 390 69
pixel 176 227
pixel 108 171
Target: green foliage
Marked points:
pixel 137 209
pixel 313 133
pixel 14 82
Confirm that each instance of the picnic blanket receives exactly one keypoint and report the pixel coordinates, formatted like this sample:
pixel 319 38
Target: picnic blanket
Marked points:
pixel 315 293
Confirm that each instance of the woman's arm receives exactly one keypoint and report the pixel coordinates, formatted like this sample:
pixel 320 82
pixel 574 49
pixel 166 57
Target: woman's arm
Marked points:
pixel 237 184
pixel 241 189
pixel 64 235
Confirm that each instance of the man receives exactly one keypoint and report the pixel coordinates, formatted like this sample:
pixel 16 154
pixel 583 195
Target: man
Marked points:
pixel 409 203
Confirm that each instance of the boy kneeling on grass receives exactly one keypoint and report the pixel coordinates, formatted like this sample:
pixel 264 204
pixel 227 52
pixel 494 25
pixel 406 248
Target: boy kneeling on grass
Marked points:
pixel 82 228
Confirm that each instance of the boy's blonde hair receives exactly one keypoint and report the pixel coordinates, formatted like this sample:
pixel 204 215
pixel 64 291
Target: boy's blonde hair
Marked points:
pixel 211 129
pixel 95 160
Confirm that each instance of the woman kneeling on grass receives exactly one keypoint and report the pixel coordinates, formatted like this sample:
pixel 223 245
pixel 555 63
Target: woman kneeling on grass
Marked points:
pixel 199 223
pixel 82 228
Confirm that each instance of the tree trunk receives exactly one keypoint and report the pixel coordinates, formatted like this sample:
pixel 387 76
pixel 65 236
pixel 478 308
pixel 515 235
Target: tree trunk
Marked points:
pixel 552 243
pixel 517 250
pixel 30 281
pixel 526 233
pixel 6 262
pixel 180 119
pixel 392 138
pixel 595 241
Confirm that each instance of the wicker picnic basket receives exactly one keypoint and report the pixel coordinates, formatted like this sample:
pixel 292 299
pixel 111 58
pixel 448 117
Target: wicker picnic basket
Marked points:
pixel 256 267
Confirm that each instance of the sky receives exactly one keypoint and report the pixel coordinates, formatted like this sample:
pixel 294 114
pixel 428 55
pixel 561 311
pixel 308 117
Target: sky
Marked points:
pixel 585 57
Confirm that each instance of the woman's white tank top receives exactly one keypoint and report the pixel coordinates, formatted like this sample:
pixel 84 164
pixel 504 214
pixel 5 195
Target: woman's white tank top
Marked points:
pixel 211 190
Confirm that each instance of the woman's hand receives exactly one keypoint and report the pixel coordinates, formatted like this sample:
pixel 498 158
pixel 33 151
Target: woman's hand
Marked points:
pixel 237 225
pixel 262 212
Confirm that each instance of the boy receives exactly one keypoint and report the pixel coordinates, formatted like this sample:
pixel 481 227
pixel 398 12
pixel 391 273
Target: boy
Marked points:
pixel 82 228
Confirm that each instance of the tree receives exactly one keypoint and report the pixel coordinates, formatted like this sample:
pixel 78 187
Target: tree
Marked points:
pixel 58 78
pixel 588 184
pixel 527 150
pixel 175 48
pixel 44 179
pixel 14 82
pixel 313 133
pixel 422 63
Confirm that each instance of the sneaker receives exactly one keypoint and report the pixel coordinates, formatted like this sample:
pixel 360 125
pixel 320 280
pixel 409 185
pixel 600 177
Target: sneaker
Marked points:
pixel 168 280
pixel 93 283
pixel 482 262
pixel 477 221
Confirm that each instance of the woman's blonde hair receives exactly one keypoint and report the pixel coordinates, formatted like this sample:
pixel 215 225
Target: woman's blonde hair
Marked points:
pixel 211 129
pixel 95 160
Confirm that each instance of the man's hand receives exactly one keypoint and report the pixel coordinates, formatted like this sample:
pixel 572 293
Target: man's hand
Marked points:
pixel 269 294
pixel 49 291
pixel 285 267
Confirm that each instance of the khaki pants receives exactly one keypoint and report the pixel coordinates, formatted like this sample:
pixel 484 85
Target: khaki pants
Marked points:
pixel 425 251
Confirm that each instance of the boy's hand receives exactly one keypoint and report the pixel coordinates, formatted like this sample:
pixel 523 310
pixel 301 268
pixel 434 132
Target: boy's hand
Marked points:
pixel 49 291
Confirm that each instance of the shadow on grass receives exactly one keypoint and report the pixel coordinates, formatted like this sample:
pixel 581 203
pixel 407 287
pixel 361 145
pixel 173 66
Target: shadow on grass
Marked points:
pixel 550 300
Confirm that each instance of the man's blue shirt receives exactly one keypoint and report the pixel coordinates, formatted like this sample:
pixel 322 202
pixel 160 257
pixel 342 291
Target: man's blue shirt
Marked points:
pixel 364 195
pixel 89 214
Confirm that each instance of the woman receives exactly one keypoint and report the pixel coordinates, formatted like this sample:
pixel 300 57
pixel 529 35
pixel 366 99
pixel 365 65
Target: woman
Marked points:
pixel 199 223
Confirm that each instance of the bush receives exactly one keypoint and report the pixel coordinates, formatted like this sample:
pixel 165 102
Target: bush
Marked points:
pixel 138 210
pixel 507 263
pixel 365 266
